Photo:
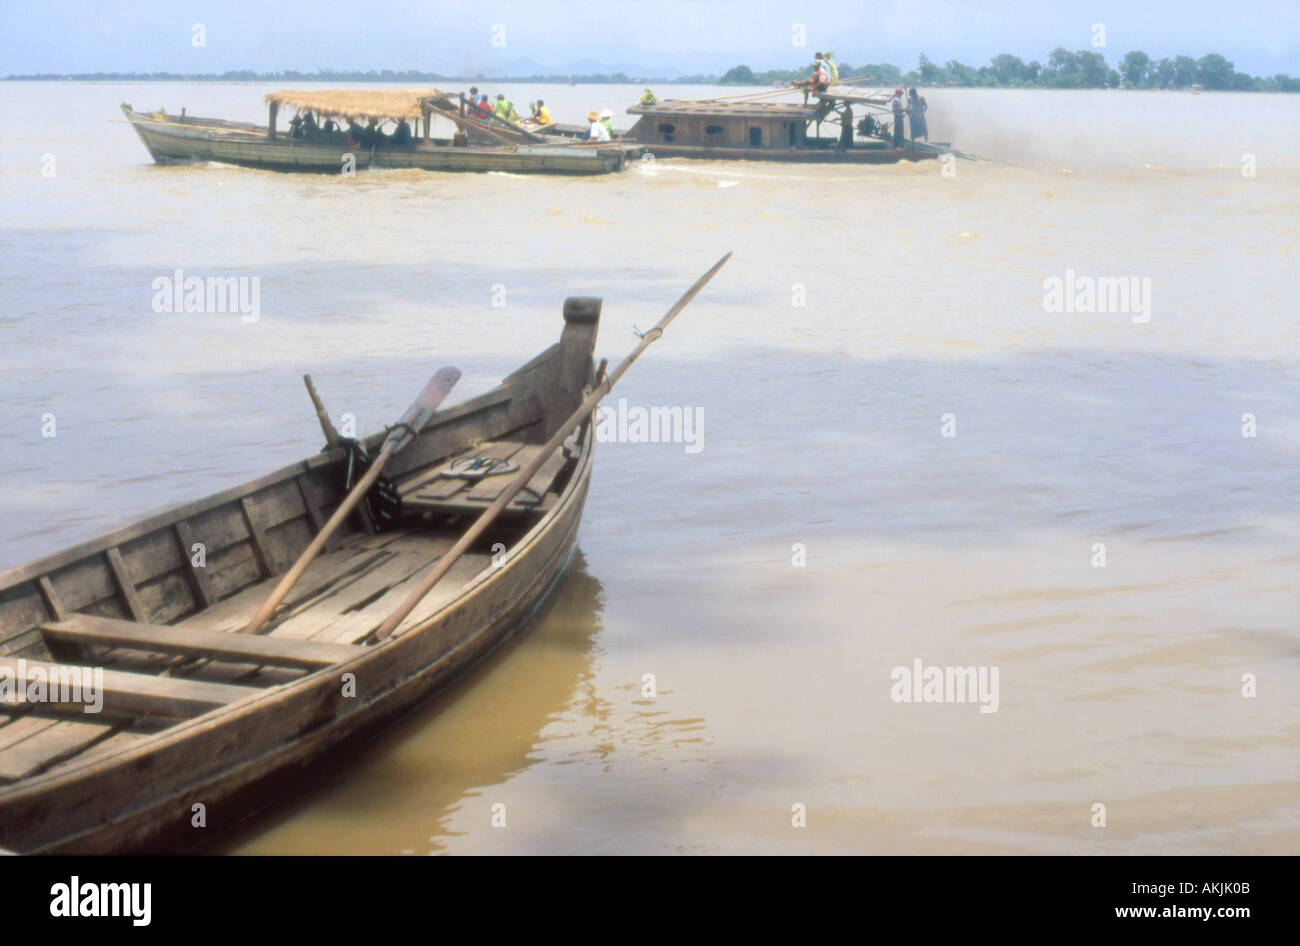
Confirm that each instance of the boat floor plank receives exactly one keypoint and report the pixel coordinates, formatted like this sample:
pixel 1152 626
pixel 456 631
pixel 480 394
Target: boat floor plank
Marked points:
pixel 324 573
pixel 354 626
pixel 118 742
pixel 378 584
pixel 58 742
pixel 196 642
pixel 24 728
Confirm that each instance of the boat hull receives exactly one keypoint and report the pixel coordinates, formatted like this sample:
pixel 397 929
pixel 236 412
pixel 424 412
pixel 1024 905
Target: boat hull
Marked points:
pixel 871 155
pixel 189 141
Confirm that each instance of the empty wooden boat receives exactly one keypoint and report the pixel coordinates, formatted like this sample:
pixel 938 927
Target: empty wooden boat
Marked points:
pixel 196 719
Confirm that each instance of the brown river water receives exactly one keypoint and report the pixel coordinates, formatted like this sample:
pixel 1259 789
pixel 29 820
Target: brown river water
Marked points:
pixel 902 456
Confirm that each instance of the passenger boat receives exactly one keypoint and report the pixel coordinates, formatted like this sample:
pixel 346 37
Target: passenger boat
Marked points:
pixel 197 720
pixel 475 145
pixel 752 127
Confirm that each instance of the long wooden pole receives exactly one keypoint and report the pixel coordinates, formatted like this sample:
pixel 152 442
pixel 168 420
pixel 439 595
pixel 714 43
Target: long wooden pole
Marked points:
pixel 530 469
pixel 404 432
pixel 326 425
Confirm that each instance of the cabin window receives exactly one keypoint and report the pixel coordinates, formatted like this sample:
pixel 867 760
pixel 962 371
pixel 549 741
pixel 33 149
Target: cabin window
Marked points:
pixel 714 131
pixel 666 130
pixel 756 137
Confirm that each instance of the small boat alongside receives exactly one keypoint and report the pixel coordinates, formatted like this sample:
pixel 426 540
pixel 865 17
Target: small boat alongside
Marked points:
pixel 338 131
pixel 173 674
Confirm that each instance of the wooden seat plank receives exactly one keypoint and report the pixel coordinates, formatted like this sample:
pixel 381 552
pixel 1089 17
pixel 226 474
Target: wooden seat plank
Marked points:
pixel 490 487
pixel 434 486
pixel 196 642
pixel 139 692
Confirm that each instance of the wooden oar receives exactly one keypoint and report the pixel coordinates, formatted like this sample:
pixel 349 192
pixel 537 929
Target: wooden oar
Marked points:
pixel 403 432
pixel 527 472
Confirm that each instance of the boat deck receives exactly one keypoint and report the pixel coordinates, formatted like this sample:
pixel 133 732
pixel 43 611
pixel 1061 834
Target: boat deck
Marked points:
pixel 157 675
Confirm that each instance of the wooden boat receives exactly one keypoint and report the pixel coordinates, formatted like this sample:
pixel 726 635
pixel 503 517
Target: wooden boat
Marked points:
pixel 475 146
pixel 196 720
pixel 750 128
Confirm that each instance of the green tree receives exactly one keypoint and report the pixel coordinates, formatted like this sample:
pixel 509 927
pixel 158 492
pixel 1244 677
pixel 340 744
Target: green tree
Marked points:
pixel 738 75
pixel 1093 70
pixel 1214 72
pixel 959 73
pixel 931 73
pixel 1011 70
pixel 1184 71
pixel 1160 73
pixel 1134 67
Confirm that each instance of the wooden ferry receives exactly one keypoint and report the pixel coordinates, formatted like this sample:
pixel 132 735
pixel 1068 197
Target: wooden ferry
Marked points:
pixel 335 131
pixel 749 128
pixel 195 713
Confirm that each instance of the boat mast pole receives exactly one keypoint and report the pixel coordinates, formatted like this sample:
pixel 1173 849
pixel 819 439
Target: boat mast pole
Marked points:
pixel 525 474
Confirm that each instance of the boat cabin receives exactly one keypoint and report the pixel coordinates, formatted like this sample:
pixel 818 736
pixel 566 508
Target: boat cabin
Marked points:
pixel 731 125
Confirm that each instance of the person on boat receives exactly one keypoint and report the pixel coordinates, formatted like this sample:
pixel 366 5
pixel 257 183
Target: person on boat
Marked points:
pixel 832 70
pixel 846 128
pixel 597 131
pixel 402 136
pixel 543 114
pixel 506 110
pixel 295 127
pixel 372 136
pixel 607 119
pixel 818 81
pixel 309 127
pixel 916 107
pixel 899 108
pixel 648 97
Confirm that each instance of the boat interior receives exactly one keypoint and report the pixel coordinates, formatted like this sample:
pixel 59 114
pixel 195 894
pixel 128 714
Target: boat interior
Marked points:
pixel 156 607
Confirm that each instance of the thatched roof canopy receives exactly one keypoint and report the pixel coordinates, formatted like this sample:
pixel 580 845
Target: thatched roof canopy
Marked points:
pixel 378 104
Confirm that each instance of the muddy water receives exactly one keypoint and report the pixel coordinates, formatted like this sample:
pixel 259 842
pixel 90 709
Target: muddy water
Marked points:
pixel 825 533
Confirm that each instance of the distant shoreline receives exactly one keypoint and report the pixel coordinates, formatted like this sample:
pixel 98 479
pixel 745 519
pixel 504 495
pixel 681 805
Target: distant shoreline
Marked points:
pixel 576 80
pixel 1084 69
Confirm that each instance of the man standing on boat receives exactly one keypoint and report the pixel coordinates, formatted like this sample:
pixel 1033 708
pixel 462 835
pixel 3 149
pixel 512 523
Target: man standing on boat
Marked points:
pixel 916 107
pixel 899 109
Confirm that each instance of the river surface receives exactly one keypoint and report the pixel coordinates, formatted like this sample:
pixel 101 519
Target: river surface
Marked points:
pixel 904 456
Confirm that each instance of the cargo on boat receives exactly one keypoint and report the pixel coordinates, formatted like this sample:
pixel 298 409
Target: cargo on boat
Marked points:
pixel 336 131
pixel 823 128
pixel 195 713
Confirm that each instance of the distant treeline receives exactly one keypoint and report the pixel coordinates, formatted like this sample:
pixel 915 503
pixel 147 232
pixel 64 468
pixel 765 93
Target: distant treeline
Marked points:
pixel 1085 69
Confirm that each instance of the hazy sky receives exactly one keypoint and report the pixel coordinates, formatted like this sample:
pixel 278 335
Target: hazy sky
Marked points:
pixel 1262 37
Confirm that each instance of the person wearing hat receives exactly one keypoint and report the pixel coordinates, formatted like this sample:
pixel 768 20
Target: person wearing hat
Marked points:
pixel 607 119
pixel 597 131
pixel 818 81
pixel 898 107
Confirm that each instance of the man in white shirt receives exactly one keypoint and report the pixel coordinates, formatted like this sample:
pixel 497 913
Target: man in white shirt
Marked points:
pixel 597 131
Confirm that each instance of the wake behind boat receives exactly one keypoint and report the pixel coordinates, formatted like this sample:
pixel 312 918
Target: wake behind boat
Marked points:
pixel 338 131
